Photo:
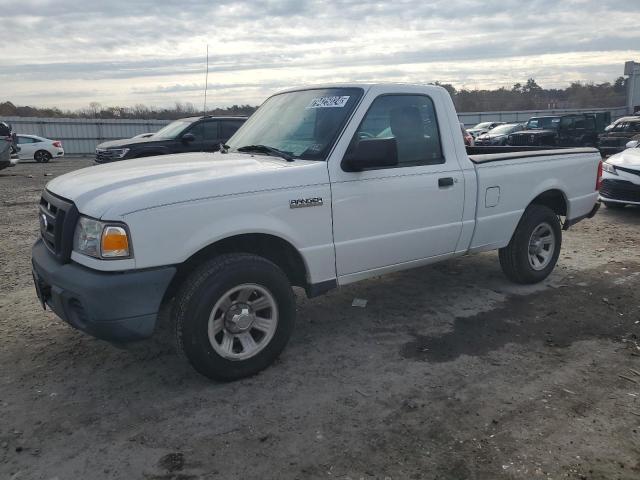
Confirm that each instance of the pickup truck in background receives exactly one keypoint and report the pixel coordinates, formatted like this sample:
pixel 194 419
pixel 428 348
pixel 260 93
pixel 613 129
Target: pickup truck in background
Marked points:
pixel 574 130
pixel 321 187
pixel 615 139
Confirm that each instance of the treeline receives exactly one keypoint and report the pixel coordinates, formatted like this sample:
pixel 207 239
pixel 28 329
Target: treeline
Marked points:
pixel 531 96
pixel 97 110
pixel 527 96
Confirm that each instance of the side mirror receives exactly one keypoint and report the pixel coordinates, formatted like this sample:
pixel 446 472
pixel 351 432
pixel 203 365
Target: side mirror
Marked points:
pixel 633 144
pixel 188 138
pixel 371 153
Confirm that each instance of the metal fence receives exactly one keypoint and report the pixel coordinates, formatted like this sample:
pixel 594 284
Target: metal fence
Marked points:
pixel 81 135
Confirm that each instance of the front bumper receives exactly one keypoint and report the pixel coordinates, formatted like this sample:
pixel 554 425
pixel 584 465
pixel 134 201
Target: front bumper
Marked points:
pixel 113 306
pixel 617 190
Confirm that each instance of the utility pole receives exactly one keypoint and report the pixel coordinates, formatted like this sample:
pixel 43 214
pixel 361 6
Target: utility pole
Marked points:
pixel 632 70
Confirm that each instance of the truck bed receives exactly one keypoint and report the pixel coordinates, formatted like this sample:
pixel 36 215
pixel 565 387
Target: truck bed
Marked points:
pixel 496 154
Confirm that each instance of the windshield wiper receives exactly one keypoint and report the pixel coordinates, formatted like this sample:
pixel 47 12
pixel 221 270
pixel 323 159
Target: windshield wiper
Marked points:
pixel 224 148
pixel 268 150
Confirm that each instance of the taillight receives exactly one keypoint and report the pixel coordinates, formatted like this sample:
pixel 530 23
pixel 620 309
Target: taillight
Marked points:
pixel 57 144
pixel 599 178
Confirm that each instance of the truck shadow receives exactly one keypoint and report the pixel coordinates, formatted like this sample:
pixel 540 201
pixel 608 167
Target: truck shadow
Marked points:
pixel 553 318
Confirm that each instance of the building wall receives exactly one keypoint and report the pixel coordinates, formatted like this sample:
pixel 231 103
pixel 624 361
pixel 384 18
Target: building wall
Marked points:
pixel 81 135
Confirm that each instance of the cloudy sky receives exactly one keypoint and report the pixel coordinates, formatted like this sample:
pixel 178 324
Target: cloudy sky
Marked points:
pixel 68 53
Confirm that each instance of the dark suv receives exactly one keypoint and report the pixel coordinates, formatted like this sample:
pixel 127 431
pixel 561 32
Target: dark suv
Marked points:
pixel 616 138
pixel 575 130
pixel 195 134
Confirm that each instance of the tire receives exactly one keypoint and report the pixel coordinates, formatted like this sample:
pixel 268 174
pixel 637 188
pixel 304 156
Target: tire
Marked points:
pixel 518 263
pixel 614 205
pixel 208 337
pixel 42 156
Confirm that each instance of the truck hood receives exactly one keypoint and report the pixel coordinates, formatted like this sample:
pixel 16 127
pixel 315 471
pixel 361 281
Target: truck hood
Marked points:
pixel 629 158
pixel 114 190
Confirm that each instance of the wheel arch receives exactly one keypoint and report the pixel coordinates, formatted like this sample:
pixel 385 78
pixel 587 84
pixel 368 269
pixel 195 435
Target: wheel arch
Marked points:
pixel 274 248
pixel 42 150
pixel 553 198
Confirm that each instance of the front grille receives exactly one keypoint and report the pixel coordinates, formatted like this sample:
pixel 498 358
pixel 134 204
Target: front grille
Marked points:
pixel 520 139
pixel 58 218
pixel 620 190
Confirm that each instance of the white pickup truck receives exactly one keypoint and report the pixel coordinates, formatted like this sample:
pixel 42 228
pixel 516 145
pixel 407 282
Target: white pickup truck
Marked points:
pixel 321 187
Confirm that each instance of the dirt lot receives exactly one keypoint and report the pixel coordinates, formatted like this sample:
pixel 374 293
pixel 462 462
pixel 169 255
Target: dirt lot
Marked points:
pixel 450 372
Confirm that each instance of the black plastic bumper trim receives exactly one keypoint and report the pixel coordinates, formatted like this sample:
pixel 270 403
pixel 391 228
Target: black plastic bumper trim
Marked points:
pixel 113 306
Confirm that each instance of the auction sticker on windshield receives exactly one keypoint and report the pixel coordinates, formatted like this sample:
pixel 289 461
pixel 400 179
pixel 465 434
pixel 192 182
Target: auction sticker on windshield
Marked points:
pixel 329 102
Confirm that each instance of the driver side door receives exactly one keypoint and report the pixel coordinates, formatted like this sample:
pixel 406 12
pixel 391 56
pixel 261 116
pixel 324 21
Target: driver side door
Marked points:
pixel 388 216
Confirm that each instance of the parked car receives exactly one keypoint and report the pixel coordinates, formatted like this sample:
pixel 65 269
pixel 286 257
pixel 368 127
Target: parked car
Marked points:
pixel 195 134
pixel 466 136
pixel 616 138
pixel 483 127
pixel 575 130
pixel 498 135
pixel 619 120
pixel 40 149
pixel 8 148
pixel 621 179
pixel 322 187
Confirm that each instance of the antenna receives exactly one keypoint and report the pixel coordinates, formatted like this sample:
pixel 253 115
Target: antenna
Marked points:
pixel 206 82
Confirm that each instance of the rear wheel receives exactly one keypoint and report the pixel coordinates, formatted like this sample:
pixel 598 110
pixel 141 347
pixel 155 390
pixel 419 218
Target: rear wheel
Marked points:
pixel 534 248
pixel 614 205
pixel 42 156
pixel 234 315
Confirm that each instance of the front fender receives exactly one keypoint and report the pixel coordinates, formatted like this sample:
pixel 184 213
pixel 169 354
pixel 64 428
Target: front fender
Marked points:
pixel 173 233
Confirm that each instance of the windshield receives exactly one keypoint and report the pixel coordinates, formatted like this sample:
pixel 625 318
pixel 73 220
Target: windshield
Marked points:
pixel 503 129
pixel 543 123
pixel 482 125
pixel 172 130
pixel 303 124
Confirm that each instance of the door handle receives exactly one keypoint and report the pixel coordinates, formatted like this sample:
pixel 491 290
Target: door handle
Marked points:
pixel 445 182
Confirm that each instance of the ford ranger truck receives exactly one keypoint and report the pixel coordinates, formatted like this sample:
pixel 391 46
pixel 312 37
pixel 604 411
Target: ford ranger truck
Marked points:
pixel 321 187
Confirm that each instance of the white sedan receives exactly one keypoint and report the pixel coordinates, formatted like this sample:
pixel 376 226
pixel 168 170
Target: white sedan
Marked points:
pixel 38 148
pixel 621 179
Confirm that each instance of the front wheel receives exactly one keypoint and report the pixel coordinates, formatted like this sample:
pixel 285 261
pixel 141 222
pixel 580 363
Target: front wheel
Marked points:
pixel 534 248
pixel 234 315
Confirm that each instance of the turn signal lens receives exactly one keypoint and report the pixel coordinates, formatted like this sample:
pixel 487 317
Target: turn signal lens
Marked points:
pixel 115 242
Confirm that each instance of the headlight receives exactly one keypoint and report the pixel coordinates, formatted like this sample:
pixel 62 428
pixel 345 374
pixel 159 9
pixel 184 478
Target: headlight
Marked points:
pixel 118 152
pixel 607 167
pixel 101 239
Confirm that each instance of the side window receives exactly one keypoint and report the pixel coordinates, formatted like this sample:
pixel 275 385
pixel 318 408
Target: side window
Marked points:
pixel 229 127
pixel 210 131
pixel 411 121
pixel 580 122
pixel 204 131
pixel 566 123
pixel 23 140
pixel 590 123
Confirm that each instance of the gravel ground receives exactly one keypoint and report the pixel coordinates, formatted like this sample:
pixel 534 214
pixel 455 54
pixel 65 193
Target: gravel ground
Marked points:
pixel 450 372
